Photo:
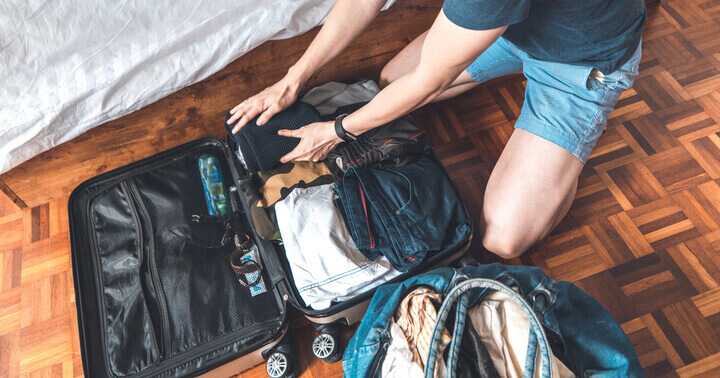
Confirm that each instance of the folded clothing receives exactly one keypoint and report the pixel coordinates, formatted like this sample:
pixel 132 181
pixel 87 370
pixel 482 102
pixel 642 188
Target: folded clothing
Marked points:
pixel 264 189
pixel 261 146
pixel 324 262
pixel 345 109
pixel 393 144
pixel 402 213
pixel 327 98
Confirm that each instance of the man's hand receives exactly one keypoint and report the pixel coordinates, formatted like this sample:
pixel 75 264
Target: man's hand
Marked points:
pixel 268 102
pixel 346 20
pixel 316 141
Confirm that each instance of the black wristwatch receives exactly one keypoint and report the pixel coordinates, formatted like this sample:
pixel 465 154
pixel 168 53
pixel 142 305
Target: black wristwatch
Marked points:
pixel 341 133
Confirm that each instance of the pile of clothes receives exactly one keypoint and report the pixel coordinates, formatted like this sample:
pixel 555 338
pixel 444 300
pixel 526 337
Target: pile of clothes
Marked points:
pixel 377 207
pixel 490 320
pixel 494 342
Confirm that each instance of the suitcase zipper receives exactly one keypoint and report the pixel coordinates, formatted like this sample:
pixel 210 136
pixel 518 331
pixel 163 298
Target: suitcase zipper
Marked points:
pixel 221 342
pixel 125 188
pixel 127 192
pixel 165 328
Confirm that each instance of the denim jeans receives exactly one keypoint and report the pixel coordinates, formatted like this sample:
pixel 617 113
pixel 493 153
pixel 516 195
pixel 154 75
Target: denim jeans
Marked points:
pixel 403 213
pixel 578 329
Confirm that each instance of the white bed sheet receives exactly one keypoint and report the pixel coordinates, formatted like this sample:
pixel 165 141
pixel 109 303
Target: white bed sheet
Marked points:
pixel 69 65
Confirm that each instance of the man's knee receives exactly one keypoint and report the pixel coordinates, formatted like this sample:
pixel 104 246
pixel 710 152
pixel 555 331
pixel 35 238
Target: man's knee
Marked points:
pixel 504 234
pixel 502 243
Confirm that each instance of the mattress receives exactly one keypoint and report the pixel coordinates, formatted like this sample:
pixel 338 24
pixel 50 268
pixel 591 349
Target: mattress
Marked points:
pixel 69 65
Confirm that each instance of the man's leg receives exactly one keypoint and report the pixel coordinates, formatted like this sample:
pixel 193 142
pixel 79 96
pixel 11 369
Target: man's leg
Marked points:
pixel 530 190
pixel 494 62
pixel 533 183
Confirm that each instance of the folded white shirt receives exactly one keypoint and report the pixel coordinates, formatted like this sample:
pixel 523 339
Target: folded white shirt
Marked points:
pixel 324 261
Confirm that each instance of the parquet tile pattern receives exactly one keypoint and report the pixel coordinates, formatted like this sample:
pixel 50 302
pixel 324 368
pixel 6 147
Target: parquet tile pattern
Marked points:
pixel 642 237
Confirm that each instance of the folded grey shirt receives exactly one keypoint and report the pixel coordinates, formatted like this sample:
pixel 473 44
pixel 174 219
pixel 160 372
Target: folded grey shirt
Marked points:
pixel 328 97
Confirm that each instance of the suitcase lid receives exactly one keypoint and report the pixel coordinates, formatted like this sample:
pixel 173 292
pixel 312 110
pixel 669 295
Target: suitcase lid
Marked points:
pixel 93 279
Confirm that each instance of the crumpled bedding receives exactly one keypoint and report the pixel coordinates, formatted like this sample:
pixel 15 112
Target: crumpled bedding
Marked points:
pixel 69 65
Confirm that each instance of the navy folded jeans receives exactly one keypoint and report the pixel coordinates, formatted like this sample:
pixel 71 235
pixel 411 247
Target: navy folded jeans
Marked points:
pixel 403 213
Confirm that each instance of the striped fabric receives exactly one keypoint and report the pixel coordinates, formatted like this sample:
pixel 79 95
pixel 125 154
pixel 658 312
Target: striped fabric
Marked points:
pixel 416 316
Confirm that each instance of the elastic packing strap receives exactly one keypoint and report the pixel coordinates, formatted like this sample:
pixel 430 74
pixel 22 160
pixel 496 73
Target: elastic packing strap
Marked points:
pixel 460 293
pixel 367 216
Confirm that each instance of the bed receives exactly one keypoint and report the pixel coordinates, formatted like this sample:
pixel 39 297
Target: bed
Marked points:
pixel 69 65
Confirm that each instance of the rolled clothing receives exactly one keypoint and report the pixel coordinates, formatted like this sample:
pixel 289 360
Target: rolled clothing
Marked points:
pixel 403 213
pixel 391 145
pixel 261 146
pixel 264 189
pixel 324 262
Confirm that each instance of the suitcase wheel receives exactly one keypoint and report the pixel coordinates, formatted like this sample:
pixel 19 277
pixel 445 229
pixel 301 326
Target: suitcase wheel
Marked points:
pixel 467 260
pixel 280 365
pixel 326 345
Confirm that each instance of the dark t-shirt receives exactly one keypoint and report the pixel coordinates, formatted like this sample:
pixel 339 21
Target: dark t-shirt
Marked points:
pixel 598 33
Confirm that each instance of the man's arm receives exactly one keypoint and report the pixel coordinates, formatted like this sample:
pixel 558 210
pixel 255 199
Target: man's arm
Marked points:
pixel 447 51
pixel 346 21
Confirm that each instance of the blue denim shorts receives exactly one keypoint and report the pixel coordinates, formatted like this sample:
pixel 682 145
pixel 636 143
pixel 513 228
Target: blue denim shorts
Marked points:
pixel 563 103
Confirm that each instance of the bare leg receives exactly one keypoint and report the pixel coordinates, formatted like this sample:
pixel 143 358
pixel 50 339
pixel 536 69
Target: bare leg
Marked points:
pixel 532 186
pixel 407 59
pixel 529 191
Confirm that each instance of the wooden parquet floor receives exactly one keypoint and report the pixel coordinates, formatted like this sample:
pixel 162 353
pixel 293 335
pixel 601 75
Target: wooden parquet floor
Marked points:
pixel 642 237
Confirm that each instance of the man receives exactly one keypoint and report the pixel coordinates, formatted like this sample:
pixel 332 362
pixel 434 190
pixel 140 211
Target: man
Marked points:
pixel 577 56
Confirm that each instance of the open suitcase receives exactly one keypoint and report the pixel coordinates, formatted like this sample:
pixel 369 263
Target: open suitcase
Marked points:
pixel 154 290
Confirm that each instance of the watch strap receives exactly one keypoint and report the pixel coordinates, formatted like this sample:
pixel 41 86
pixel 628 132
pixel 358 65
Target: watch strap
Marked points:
pixel 340 131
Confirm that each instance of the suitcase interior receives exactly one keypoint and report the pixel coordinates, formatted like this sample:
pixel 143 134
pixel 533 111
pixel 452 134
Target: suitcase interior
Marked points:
pixel 154 290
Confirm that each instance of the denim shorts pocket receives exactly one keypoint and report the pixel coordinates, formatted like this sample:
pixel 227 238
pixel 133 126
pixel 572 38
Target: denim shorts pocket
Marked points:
pixel 608 82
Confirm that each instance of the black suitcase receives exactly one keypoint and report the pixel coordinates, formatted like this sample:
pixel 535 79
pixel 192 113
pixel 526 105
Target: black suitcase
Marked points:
pixel 154 290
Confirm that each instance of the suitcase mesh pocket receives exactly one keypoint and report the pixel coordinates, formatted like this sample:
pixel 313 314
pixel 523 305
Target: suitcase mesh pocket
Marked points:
pixel 204 298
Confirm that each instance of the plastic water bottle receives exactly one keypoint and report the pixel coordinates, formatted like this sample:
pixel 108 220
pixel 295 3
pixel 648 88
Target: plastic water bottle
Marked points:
pixel 215 194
